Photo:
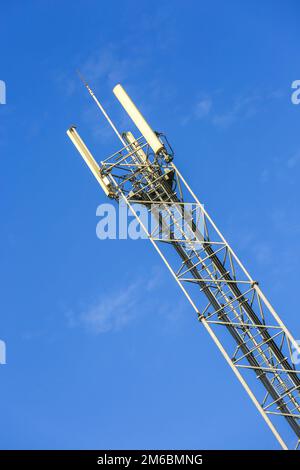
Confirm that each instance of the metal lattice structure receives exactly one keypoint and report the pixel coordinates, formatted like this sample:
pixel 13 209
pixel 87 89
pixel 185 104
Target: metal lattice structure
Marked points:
pixel 228 302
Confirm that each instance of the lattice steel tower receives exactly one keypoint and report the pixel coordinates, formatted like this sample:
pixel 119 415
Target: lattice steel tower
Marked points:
pixel 229 304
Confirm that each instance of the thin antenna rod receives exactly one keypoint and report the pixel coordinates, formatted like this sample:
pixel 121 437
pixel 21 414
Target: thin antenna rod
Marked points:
pixel 101 108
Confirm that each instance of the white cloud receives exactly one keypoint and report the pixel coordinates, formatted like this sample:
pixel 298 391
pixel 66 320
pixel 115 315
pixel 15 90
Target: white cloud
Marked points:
pixel 243 108
pixel 203 108
pixel 115 309
pixel 281 169
pixel 107 65
pixel 263 253
pixel 293 161
pixel 224 120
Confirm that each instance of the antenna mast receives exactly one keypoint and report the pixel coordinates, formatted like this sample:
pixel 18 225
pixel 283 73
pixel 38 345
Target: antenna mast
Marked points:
pixel 229 304
pixel 101 108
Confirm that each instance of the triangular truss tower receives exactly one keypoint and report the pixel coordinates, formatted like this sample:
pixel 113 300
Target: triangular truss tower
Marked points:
pixel 229 304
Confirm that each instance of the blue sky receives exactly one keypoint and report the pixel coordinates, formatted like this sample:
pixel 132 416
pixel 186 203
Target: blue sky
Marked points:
pixel 216 78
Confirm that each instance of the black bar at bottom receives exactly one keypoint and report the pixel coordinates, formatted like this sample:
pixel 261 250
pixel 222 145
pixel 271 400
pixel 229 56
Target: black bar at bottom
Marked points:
pixel 133 458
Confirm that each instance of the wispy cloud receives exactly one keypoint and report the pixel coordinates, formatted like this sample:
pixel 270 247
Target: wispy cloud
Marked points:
pixel 209 106
pixel 242 108
pixel 293 160
pixel 201 110
pixel 263 253
pixel 282 169
pixel 112 312
pixel 106 67
pixel 110 65
pixel 203 107
pixel 115 309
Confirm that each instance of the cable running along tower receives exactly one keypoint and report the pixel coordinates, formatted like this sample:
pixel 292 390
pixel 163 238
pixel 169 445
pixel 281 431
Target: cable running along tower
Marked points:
pixel 229 304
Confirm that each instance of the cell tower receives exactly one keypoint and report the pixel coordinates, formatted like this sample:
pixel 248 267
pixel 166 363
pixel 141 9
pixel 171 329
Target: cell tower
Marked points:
pixel 229 304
